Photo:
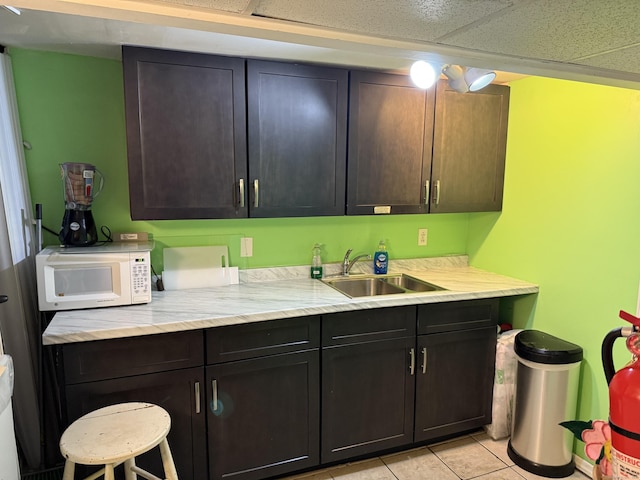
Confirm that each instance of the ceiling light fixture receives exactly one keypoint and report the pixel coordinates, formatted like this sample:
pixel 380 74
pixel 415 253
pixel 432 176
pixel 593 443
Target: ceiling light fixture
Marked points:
pixel 463 79
pixel 12 9
pixel 422 74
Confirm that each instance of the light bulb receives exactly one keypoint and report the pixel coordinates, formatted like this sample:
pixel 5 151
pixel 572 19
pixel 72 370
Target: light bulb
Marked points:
pixel 478 78
pixel 422 74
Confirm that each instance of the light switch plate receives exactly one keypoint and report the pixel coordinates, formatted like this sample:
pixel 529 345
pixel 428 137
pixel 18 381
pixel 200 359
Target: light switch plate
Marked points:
pixel 246 247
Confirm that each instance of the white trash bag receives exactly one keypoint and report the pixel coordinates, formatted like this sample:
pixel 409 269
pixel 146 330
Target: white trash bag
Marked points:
pixel 504 386
pixel 9 465
pixel 6 381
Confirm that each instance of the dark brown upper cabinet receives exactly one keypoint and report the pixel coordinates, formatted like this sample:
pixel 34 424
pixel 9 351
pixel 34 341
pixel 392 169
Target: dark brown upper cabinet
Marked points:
pixel 469 149
pixel 224 137
pixel 390 134
pixel 297 124
pixel 186 134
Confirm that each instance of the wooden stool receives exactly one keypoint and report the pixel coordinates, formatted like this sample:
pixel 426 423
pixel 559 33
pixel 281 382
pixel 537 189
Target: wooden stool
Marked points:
pixel 116 434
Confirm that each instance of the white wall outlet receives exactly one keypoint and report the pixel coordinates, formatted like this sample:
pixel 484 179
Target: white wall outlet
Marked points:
pixel 246 247
pixel 422 237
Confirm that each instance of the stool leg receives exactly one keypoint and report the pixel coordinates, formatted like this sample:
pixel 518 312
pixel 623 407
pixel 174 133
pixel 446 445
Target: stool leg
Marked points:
pixel 167 461
pixel 69 470
pixel 108 472
pixel 128 473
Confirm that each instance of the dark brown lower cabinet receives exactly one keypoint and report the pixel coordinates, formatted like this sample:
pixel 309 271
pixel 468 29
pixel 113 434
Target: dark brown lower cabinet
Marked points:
pixel 453 383
pixel 175 391
pixel 263 416
pixel 367 381
pixel 266 399
pixel 367 398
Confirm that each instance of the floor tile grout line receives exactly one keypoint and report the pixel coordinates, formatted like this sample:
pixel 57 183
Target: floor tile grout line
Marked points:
pixel 385 464
pixel 443 462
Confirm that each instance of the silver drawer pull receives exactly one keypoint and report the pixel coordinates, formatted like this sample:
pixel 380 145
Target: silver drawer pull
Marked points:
pixel 197 394
pixel 241 183
pixel 426 192
pixel 214 392
pixel 424 360
pixel 256 193
pixel 412 363
pixel 436 187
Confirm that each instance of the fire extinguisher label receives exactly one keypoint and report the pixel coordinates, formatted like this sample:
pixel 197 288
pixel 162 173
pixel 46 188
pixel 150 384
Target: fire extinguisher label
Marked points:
pixel 624 466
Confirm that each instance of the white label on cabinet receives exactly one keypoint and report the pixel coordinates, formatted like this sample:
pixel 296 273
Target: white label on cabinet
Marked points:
pixel 382 209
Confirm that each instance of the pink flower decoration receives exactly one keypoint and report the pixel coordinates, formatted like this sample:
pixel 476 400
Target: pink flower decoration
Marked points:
pixel 596 440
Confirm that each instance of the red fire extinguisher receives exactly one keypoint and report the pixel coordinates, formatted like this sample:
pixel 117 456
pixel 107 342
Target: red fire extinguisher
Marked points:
pixel 624 400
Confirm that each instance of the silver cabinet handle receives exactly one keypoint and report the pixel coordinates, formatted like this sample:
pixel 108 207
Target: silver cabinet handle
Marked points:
pixel 412 363
pixel 436 187
pixel 214 393
pixel 256 193
pixel 241 182
pixel 426 192
pixel 196 388
pixel 424 360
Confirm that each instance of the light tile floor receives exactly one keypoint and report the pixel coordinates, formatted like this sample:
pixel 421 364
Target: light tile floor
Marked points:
pixel 474 456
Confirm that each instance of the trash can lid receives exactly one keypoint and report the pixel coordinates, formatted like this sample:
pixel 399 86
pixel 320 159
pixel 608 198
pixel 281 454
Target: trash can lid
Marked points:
pixel 541 347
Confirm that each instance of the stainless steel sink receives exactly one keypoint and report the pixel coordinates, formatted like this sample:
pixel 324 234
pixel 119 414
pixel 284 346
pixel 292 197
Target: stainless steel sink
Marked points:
pixel 412 284
pixel 372 285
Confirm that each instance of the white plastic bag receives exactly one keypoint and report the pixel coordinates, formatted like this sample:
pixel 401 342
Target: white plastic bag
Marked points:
pixel 6 381
pixel 504 386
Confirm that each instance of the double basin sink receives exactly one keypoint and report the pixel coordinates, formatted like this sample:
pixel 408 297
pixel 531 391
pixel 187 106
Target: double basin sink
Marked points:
pixel 372 285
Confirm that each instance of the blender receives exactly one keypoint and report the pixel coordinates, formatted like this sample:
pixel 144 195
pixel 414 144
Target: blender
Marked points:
pixel 79 179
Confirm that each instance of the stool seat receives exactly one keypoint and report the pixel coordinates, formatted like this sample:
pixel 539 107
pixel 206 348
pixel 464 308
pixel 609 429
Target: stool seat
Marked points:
pixel 116 434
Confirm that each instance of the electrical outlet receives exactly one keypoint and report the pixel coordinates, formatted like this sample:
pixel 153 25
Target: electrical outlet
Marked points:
pixel 422 237
pixel 246 247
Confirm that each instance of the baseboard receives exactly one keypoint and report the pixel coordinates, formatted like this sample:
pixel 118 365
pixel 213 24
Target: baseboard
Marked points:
pixel 584 466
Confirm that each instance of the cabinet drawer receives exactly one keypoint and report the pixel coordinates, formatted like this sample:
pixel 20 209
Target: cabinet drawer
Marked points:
pixel 368 325
pixel 239 342
pixel 452 316
pixel 123 357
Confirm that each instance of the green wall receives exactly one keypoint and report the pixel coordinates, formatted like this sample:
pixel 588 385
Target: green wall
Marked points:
pixel 571 217
pixel 72 110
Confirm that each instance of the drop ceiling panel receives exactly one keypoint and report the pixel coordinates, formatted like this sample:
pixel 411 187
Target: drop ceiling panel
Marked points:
pixel 424 20
pixel 625 60
pixel 561 30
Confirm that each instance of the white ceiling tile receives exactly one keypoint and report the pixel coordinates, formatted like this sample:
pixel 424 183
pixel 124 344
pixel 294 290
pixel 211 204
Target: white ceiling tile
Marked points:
pixel 423 20
pixel 561 30
pixel 625 60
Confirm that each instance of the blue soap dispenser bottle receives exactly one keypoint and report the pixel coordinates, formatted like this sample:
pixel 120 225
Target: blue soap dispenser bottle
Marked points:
pixel 380 259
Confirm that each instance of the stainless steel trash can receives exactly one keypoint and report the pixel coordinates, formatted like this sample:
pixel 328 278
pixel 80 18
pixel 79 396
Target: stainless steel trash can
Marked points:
pixel 546 394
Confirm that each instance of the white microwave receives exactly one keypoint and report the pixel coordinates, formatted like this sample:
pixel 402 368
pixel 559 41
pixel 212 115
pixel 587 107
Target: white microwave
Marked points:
pixel 90 277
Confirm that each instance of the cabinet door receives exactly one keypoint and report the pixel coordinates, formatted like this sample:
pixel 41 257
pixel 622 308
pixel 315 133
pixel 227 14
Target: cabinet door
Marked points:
pixel 390 133
pixel 469 149
pixel 176 392
pixel 367 398
pixel 454 382
pixel 297 139
pixel 263 416
pixel 186 134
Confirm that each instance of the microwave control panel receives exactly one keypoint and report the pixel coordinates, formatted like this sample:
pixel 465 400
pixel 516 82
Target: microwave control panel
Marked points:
pixel 141 277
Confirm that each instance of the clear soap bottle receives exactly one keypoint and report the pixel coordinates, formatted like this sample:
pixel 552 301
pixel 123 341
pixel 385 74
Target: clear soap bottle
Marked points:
pixel 380 259
pixel 316 262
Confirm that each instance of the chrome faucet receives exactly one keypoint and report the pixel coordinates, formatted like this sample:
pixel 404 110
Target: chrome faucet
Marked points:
pixel 347 264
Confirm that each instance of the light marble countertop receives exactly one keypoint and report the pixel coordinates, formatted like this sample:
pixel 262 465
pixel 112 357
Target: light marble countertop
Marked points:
pixel 268 294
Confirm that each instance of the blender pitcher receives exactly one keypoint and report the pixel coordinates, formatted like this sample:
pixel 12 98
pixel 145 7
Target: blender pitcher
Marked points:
pixel 82 183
